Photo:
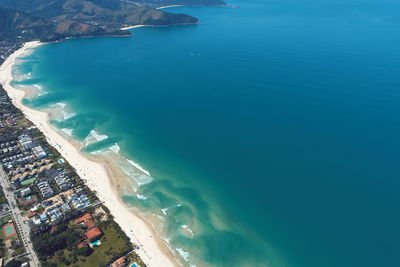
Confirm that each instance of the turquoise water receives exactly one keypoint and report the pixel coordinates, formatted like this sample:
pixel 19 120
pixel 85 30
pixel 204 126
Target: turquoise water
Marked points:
pixel 271 131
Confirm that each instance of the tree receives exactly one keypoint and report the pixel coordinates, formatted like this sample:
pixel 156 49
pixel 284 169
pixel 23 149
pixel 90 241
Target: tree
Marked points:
pixel 13 263
pixel 85 251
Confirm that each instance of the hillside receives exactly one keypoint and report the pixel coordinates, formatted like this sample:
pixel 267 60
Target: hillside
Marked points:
pixel 160 3
pixel 19 26
pixel 106 13
pixel 50 20
pixel 146 16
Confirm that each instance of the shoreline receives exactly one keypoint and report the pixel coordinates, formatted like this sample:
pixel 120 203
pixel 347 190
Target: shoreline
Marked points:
pixel 153 250
pixel 170 6
pixel 167 25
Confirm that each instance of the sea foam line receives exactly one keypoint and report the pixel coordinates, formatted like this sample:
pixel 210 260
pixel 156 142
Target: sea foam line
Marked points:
pixel 67 131
pixel 115 148
pixel 137 166
pixel 183 253
pixel 139 178
pixel 184 226
pixel 65 115
pixel 94 137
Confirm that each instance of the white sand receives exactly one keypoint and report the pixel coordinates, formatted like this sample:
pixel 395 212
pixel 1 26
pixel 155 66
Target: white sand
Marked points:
pixel 153 252
pixel 133 27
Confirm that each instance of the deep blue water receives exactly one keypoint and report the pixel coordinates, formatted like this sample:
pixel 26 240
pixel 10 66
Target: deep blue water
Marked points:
pixel 275 127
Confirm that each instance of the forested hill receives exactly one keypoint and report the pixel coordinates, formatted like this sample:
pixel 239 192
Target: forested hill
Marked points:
pixel 49 20
pixel 19 26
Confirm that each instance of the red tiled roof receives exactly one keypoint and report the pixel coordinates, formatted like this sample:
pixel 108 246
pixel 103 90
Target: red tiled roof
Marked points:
pixel 85 217
pixel 31 214
pixel 89 224
pixel 93 234
pixel 53 229
pixel 119 262
pixel 83 244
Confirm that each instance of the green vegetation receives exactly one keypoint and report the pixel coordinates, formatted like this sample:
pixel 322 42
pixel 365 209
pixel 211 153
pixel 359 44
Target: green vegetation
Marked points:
pixel 2 197
pixel 114 244
pixel 85 251
pixel 15 244
pixel 50 20
pixel 46 244
pixel 14 263
pixel 3 221
pixel 28 182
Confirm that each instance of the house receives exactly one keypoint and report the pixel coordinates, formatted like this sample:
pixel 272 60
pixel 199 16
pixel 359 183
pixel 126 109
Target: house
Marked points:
pixel 25 141
pixel 119 263
pixel 89 224
pixel 45 189
pixel 85 217
pixel 79 202
pixel 30 215
pixel 62 182
pixel 39 152
pixel 25 192
pixel 94 234
pixel 82 244
pixel 53 229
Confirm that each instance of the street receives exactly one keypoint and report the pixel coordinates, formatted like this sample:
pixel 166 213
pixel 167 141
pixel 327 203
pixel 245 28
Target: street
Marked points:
pixel 21 226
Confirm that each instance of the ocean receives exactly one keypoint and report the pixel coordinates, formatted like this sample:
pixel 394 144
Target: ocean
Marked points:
pixel 270 131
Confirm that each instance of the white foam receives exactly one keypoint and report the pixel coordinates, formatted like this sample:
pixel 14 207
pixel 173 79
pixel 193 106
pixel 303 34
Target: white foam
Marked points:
pixel 61 105
pixel 97 152
pixel 164 210
pixel 40 90
pixel 183 253
pixel 97 136
pixel 27 76
pixel 94 137
pixel 115 148
pixel 137 166
pixel 37 86
pixel 141 196
pixel 187 229
pixel 67 131
pixel 21 86
pixel 67 115
pixel 133 186
pixel 126 171
pixel 142 179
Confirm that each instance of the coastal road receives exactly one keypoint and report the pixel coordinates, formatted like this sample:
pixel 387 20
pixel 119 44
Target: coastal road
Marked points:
pixel 21 225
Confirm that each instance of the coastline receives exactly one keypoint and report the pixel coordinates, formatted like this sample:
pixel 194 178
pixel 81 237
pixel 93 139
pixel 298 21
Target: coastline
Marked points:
pixel 170 6
pixel 139 26
pixel 153 251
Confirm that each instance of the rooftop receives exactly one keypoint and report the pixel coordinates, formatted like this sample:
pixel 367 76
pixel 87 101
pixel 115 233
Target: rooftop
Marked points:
pixel 93 234
pixel 85 217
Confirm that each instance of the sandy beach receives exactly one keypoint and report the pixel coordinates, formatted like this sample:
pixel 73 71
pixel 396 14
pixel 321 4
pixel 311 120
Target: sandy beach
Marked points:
pixel 133 27
pixel 153 250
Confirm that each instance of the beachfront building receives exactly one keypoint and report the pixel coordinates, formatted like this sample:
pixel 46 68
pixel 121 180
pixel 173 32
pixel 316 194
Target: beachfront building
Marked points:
pixel 39 152
pixel 25 141
pixel 94 234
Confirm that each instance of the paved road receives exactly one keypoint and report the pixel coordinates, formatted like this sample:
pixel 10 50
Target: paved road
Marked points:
pixel 21 225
